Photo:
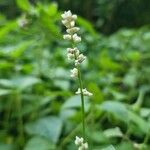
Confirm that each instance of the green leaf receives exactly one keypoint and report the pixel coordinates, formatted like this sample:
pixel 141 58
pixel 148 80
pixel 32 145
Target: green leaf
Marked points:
pixel 140 122
pixel 125 146
pixel 50 9
pixel 19 83
pixel 16 51
pixel 97 93
pixel 118 109
pixel 24 5
pixel 4 92
pixel 6 147
pixel 109 148
pixel 113 132
pixel 25 82
pixel 63 84
pixel 87 25
pixel 7 28
pixel 145 112
pixel 75 102
pixel 49 127
pixel 39 143
pixel 106 63
pixel 48 22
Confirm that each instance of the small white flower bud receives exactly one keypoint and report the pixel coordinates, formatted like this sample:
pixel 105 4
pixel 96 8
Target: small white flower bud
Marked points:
pixel 81 58
pixel 72 23
pixel 70 56
pixel 84 146
pixel 71 50
pixel 74 17
pixel 74 73
pixel 73 30
pixel 67 37
pixel 78 91
pixel 76 38
pixel 85 92
pixel 77 52
pixel 66 14
pixel 78 141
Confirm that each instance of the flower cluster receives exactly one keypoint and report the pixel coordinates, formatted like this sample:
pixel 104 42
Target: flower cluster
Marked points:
pixel 68 20
pixel 80 142
pixel 85 92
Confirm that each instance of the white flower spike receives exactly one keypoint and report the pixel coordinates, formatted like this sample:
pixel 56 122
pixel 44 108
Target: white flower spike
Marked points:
pixel 73 53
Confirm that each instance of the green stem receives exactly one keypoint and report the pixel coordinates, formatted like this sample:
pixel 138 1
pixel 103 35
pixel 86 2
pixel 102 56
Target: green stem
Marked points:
pixel 82 101
pixel 81 95
pixel 73 132
pixel 146 137
pixel 20 119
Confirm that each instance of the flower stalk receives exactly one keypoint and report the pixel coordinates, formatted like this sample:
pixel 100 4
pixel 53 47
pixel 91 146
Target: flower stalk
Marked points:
pixel 68 20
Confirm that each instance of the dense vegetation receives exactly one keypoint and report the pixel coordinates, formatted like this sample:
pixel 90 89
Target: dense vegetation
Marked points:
pixel 38 109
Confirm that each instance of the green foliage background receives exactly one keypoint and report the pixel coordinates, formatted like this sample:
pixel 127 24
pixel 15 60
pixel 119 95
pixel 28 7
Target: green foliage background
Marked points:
pixel 38 109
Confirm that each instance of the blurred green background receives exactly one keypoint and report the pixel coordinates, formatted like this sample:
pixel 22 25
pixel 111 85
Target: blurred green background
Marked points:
pixel 38 107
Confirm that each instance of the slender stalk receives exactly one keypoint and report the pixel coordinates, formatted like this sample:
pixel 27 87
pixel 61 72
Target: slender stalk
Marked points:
pixel 20 119
pixel 73 132
pixel 146 137
pixel 81 95
pixel 82 101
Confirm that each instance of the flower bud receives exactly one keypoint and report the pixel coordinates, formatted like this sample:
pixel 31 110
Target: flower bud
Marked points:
pixel 84 146
pixel 74 73
pixel 67 37
pixel 72 23
pixel 70 56
pixel 84 91
pixel 73 30
pixel 66 14
pixel 78 141
pixel 76 38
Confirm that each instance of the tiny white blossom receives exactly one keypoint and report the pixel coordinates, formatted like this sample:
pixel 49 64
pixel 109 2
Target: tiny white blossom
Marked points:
pixel 77 52
pixel 78 91
pixel 74 51
pixel 70 56
pixel 66 23
pixel 74 17
pixel 84 146
pixel 76 38
pixel 67 37
pixel 78 141
pixel 72 23
pixel 66 14
pixel 81 58
pixel 85 92
pixel 73 30
pixel 71 50
pixel 74 73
